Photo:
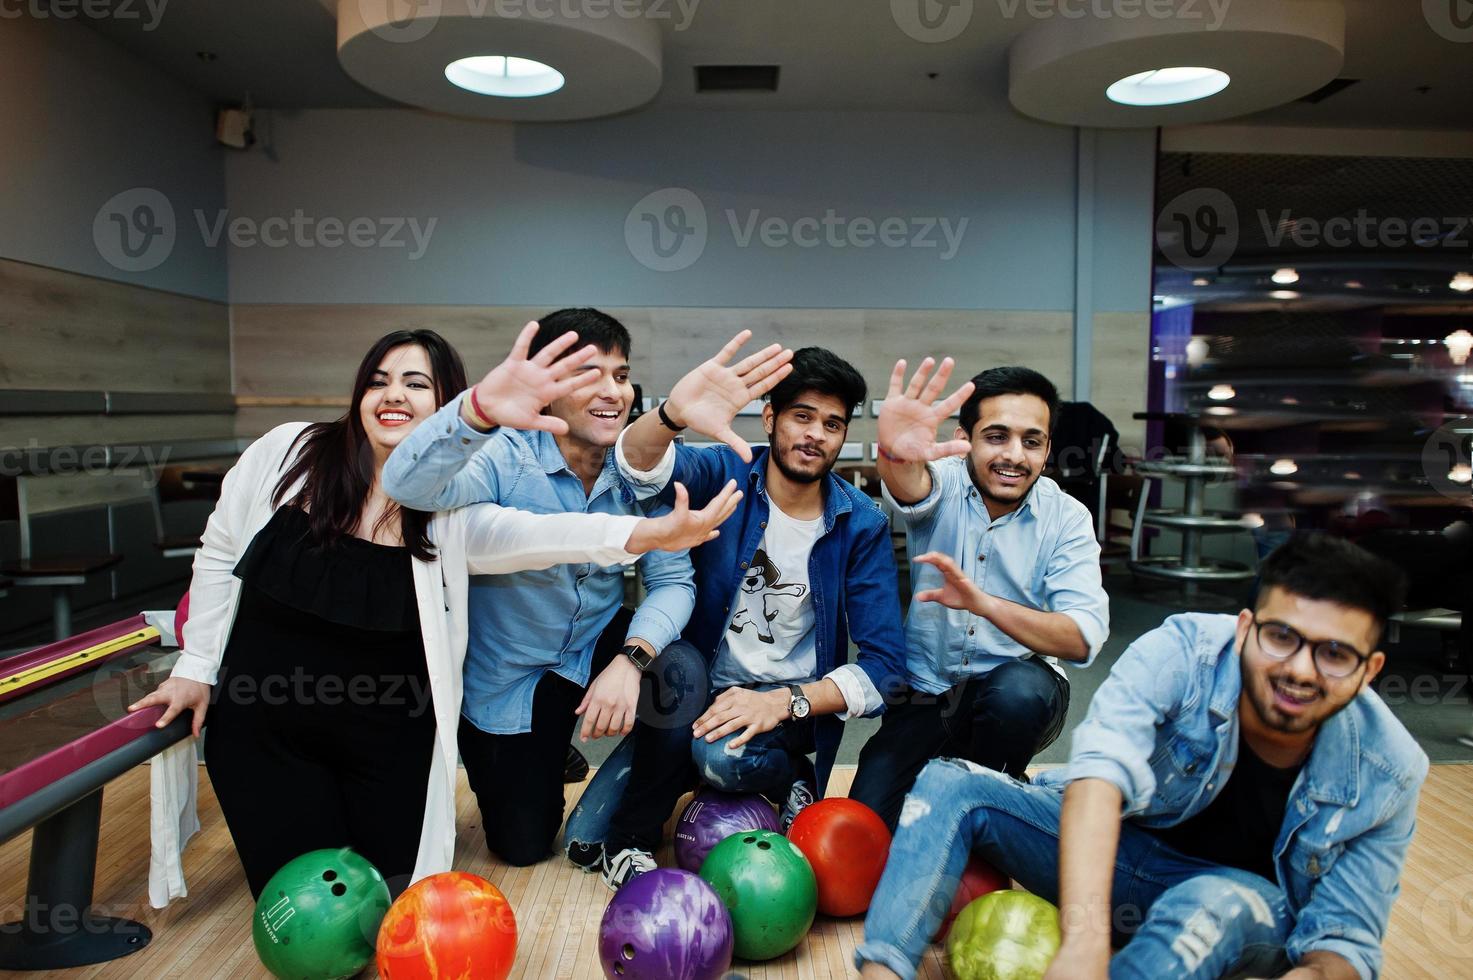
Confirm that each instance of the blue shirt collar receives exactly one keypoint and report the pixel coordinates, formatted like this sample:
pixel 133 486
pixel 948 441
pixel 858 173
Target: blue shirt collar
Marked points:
pixel 544 446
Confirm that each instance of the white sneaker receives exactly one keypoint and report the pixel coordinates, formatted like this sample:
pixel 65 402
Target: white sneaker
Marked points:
pixel 799 797
pixel 628 863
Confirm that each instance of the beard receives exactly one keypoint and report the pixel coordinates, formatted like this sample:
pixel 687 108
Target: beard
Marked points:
pixel 780 459
pixel 1260 689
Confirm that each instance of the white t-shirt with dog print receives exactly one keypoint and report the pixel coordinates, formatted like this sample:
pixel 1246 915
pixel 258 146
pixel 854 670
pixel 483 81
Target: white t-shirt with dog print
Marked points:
pixel 769 638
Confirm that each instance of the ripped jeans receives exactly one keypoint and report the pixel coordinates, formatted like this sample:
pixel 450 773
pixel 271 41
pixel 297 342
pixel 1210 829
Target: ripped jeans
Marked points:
pixel 1184 918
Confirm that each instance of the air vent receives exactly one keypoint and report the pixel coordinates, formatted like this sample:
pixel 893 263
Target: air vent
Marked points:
pixel 1325 91
pixel 736 78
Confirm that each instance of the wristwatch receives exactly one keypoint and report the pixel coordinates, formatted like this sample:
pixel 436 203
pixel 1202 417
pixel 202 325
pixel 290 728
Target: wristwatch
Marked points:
pixel 798 706
pixel 642 658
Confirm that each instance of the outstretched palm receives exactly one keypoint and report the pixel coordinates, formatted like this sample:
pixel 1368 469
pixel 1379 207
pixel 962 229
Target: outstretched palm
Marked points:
pixel 517 389
pixel 956 591
pixel 709 398
pixel 908 419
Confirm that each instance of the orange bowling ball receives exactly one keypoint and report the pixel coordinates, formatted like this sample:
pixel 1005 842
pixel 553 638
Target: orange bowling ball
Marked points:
pixel 448 925
pixel 978 878
pixel 847 844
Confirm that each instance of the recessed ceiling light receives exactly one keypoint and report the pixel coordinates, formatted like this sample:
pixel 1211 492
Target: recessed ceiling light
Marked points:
pixel 510 78
pixel 1201 281
pixel 1285 277
pixel 1221 393
pixel 1283 467
pixel 1167 86
pixel 1462 282
pixel 1284 294
pixel 1354 284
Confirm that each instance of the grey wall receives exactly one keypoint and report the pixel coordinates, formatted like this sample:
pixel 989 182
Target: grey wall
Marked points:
pixel 85 121
pixel 536 215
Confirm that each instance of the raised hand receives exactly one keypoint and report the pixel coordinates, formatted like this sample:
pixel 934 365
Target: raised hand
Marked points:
pixel 517 389
pixel 908 419
pixel 684 528
pixel 957 591
pixel 708 398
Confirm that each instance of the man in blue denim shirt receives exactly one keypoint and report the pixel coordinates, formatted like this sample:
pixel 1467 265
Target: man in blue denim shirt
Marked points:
pixel 536 638
pixel 1238 802
pixel 985 682
pixel 804 563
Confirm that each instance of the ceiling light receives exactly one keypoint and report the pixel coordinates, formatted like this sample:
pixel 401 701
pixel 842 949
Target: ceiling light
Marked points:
pixel 509 78
pixel 1201 281
pixel 1462 282
pixel 1197 351
pixel 1167 86
pixel 1285 277
pixel 1221 393
pixel 1354 284
pixel 1459 346
pixel 1284 294
pixel 1461 473
pixel 1284 467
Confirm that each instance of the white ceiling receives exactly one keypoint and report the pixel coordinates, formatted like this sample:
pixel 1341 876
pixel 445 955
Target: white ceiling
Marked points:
pixel 834 54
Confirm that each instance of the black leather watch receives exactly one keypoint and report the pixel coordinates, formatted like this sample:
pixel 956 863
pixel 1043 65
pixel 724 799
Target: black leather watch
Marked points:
pixel 641 657
pixel 798 706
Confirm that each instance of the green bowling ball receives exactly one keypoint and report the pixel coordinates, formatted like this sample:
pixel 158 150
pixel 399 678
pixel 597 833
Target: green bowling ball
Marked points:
pixel 1004 935
pixel 318 917
pixel 769 888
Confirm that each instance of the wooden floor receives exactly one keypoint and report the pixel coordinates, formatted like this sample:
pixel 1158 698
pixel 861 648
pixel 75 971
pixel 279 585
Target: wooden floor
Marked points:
pixel 558 908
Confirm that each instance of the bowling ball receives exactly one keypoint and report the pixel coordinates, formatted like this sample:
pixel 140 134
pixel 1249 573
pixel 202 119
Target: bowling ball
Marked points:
pixel 181 616
pixel 665 924
pixel 451 924
pixel 317 916
pixel 768 886
pixel 846 843
pixel 1005 935
pixel 712 816
pixel 978 878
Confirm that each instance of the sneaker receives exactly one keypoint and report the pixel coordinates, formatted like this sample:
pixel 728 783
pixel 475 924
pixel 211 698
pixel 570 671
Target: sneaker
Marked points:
pixel 799 797
pixel 575 767
pixel 589 857
pixel 627 864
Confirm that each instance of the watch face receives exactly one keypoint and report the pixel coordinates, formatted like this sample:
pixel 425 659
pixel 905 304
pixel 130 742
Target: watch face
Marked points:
pixel 800 707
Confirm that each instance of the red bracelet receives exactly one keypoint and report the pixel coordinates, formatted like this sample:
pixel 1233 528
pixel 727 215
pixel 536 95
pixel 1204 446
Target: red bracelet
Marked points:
pixel 880 451
pixel 478 412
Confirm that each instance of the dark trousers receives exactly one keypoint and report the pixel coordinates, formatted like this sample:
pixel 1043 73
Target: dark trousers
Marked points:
pixel 518 779
pixel 1001 720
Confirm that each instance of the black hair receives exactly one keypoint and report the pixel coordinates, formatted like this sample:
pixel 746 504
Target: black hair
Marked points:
pixel 336 461
pixel 1321 566
pixel 592 327
pixel 1008 381
pixel 823 371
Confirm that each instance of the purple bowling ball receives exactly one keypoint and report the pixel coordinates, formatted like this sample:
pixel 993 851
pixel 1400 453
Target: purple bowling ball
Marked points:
pixel 713 816
pixel 665 925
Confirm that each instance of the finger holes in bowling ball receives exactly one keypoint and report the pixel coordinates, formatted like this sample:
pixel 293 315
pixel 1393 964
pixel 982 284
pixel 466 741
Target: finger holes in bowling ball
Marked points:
pixel 340 889
pixel 329 875
pixel 764 845
pixel 628 951
pixel 748 840
pixel 619 969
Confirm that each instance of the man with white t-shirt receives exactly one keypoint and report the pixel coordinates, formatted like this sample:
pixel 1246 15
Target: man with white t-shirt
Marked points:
pixel 804 563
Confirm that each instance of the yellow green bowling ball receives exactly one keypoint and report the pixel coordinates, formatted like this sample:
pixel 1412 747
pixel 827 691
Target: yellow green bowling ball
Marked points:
pixel 318 917
pixel 1004 935
pixel 769 888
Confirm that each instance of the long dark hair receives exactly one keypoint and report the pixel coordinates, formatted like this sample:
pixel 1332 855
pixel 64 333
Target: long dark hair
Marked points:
pixel 336 461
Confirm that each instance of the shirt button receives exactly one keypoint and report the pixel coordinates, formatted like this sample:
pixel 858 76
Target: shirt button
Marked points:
pixel 763 524
pixel 464 441
pixel 981 557
pixel 744 564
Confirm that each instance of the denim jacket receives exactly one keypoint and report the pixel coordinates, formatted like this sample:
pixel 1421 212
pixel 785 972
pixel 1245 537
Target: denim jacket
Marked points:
pixel 851 572
pixel 1163 728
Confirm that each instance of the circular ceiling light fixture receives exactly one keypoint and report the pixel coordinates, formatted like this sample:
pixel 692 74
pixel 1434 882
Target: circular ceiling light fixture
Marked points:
pixel 548 64
pixel 1461 282
pixel 1248 56
pixel 1167 86
pixel 499 75
pixel 1285 277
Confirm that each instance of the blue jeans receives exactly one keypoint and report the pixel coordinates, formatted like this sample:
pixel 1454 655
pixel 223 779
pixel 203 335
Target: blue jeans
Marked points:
pixel 1186 919
pixel 768 764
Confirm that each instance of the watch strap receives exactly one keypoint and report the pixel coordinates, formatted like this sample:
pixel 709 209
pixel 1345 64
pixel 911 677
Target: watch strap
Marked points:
pixel 639 656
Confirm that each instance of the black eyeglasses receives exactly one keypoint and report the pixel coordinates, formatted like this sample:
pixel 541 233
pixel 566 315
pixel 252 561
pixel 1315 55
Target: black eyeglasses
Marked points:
pixel 1332 658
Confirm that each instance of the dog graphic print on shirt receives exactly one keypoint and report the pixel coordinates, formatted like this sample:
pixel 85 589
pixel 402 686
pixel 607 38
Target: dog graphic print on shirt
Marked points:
pixel 762 589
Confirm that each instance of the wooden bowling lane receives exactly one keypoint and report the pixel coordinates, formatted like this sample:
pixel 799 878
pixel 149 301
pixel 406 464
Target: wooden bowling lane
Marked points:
pixel 207 935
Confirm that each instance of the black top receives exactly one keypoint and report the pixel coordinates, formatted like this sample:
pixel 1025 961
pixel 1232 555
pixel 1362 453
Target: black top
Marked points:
pixel 340 623
pixel 1240 826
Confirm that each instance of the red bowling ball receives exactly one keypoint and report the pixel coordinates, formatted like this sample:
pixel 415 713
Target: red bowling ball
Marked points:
pixel 847 844
pixel 978 878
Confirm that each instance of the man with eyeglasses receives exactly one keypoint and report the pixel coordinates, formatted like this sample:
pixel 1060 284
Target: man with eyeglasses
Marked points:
pixel 1238 802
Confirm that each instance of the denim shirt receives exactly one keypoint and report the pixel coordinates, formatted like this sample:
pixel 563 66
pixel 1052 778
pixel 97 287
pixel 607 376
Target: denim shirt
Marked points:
pixel 1043 555
pixel 1163 729
pixel 851 574
pixel 527 623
